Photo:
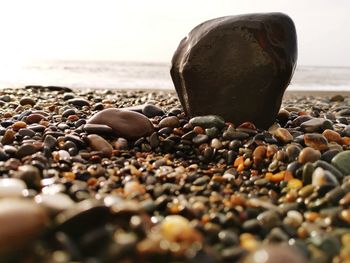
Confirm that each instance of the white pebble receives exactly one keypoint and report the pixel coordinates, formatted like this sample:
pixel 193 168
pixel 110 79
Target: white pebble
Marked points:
pixel 11 187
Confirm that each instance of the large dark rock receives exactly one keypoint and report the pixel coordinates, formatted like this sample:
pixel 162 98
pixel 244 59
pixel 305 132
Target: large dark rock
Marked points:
pixel 237 67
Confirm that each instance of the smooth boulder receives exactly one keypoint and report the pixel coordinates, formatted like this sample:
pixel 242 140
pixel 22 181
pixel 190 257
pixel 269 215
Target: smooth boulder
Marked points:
pixel 237 67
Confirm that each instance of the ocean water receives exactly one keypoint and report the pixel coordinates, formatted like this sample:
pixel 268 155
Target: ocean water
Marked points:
pixel 136 75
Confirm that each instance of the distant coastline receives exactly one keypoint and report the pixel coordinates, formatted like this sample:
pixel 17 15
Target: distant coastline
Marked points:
pixel 146 75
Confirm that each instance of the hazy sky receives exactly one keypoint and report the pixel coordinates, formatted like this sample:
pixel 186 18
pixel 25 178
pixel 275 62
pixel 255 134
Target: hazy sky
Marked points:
pixel 150 30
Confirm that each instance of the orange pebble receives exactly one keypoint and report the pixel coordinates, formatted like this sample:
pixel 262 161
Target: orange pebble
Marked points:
pixel 278 177
pixel 240 167
pixel 19 125
pixel 332 136
pixel 239 160
pixel 345 140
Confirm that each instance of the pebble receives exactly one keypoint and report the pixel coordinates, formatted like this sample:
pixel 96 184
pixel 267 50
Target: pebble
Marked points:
pixel 79 102
pixel 126 124
pixel 11 187
pixel 26 149
pixel 315 125
pixel 21 221
pixel 309 154
pixel 316 141
pixel 283 135
pixel 322 177
pixel 56 202
pixel 342 162
pixel 98 143
pixel 171 121
pixel 176 228
pixel 31 175
pixel 332 136
pixel 208 121
pixel 152 111
pixel 27 101
pixel 275 254
pixel 35 118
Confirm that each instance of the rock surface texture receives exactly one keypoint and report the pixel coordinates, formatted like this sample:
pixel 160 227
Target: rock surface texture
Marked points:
pixel 237 67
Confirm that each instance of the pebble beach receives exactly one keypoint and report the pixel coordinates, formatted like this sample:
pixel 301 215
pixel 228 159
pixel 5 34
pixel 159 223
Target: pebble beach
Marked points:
pixel 157 186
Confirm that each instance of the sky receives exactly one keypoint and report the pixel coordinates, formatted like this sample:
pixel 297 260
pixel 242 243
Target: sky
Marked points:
pixel 150 30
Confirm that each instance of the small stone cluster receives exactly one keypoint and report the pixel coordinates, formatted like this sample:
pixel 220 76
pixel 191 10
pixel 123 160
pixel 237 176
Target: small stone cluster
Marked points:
pixel 77 186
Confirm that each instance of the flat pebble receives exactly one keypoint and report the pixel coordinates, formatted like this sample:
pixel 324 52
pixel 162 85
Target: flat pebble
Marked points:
pixel 127 124
pixel 208 121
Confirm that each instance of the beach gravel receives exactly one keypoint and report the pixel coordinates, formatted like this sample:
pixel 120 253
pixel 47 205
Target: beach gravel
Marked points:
pixel 149 184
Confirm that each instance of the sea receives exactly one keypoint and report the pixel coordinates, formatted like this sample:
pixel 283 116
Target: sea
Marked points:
pixel 144 75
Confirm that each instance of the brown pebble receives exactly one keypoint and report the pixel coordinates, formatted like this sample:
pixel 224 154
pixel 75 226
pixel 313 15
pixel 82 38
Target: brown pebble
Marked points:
pixel 34 118
pixel 8 137
pixel 27 101
pixel 171 121
pixel 21 221
pixel 127 124
pixel 98 143
pixel 283 135
pixel 259 155
pixel 120 144
pixel 332 136
pixel 19 125
pixel 271 150
pixel 309 154
pixel 316 141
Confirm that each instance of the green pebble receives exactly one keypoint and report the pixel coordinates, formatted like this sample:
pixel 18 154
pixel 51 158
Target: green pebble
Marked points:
pixel 208 121
pixel 342 162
